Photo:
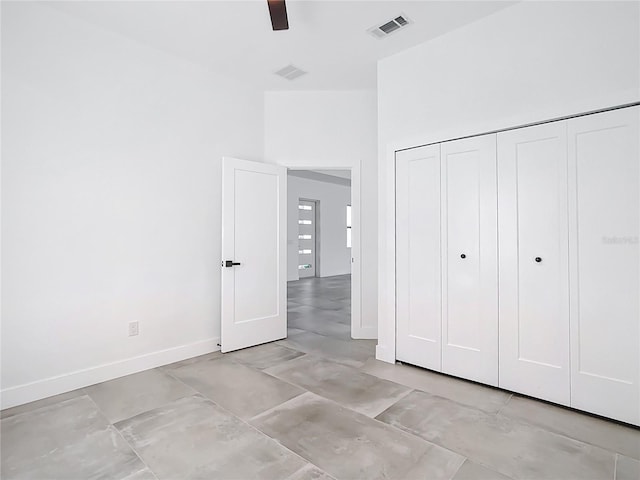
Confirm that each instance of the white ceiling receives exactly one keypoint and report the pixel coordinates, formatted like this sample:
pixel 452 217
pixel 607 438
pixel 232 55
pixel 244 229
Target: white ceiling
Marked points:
pixel 326 38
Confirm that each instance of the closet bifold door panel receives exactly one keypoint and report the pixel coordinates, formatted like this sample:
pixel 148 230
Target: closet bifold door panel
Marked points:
pixel 533 261
pixel 470 259
pixel 604 199
pixel 418 270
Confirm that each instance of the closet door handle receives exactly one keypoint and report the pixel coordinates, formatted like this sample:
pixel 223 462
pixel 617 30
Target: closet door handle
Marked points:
pixel 538 259
pixel 463 256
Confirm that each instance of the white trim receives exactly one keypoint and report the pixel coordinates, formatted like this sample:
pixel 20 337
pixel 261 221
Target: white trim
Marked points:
pixel 386 348
pixel 365 333
pixel 358 330
pixel 384 354
pixel 67 382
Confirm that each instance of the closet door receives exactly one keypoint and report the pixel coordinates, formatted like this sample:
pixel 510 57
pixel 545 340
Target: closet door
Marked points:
pixel 533 262
pixel 470 259
pixel 604 185
pixel 418 269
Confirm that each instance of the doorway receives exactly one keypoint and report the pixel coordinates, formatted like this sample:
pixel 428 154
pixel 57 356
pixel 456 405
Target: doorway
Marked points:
pixel 323 252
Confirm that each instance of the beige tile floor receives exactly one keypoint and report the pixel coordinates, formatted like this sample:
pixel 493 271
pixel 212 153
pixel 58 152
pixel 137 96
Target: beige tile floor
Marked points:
pixel 314 406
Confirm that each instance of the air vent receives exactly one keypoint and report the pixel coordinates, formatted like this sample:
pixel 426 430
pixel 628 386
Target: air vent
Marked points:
pixel 290 72
pixel 387 28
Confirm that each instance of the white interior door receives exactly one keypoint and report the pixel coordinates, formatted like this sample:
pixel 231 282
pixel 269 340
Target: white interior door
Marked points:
pixel 418 262
pixel 307 229
pixel 533 263
pixel 254 261
pixel 604 182
pixel 470 259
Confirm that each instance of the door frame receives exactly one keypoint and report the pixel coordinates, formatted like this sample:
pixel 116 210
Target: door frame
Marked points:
pixel 358 331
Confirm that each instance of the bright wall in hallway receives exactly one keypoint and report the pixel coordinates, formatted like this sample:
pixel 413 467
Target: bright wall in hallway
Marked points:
pixel 111 192
pixel 335 257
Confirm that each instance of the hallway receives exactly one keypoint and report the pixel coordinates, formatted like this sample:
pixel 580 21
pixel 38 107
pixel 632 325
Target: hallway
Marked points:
pixel 319 320
pixel 321 305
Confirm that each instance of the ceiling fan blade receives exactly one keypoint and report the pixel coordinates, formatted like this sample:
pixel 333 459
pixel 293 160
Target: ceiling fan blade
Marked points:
pixel 278 12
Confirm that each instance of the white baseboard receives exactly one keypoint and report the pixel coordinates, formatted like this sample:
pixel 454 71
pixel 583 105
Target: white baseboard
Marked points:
pixel 384 354
pixel 364 333
pixel 29 392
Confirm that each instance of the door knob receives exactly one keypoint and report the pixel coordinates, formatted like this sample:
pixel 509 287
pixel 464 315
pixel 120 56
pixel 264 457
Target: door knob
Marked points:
pixel 538 259
pixel 230 263
pixel 463 256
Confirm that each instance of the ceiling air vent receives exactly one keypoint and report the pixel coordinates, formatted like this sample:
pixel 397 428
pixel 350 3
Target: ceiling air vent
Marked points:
pixel 290 72
pixel 387 28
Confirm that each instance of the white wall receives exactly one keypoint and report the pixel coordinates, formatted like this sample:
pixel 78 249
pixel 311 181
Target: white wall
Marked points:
pixel 111 196
pixel 333 129
pixel 530 62
pixel 335 257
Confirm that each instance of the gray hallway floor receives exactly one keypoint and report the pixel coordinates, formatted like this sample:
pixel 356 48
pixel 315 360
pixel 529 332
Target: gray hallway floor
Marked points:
pixel 314 406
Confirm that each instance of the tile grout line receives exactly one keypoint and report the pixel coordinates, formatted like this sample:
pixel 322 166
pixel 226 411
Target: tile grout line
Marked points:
pixel 356 369
pixel 489 467
pixel 189 394
pixel 269 410
pixel 122 437
pixel 405 432
pixel 43 406
pixel 505 404
pixel 257 370
pixel 517 421
pixel 399 399
pixel 441 396
pixel 306 467
pixel 388 425
pixel 466 459
pixel 273 376
pixel 258 430
pixel 416 435
pixel 567 435
pixel 331 358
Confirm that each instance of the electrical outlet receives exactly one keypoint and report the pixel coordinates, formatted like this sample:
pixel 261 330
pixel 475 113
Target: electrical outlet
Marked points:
pixel 133 329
